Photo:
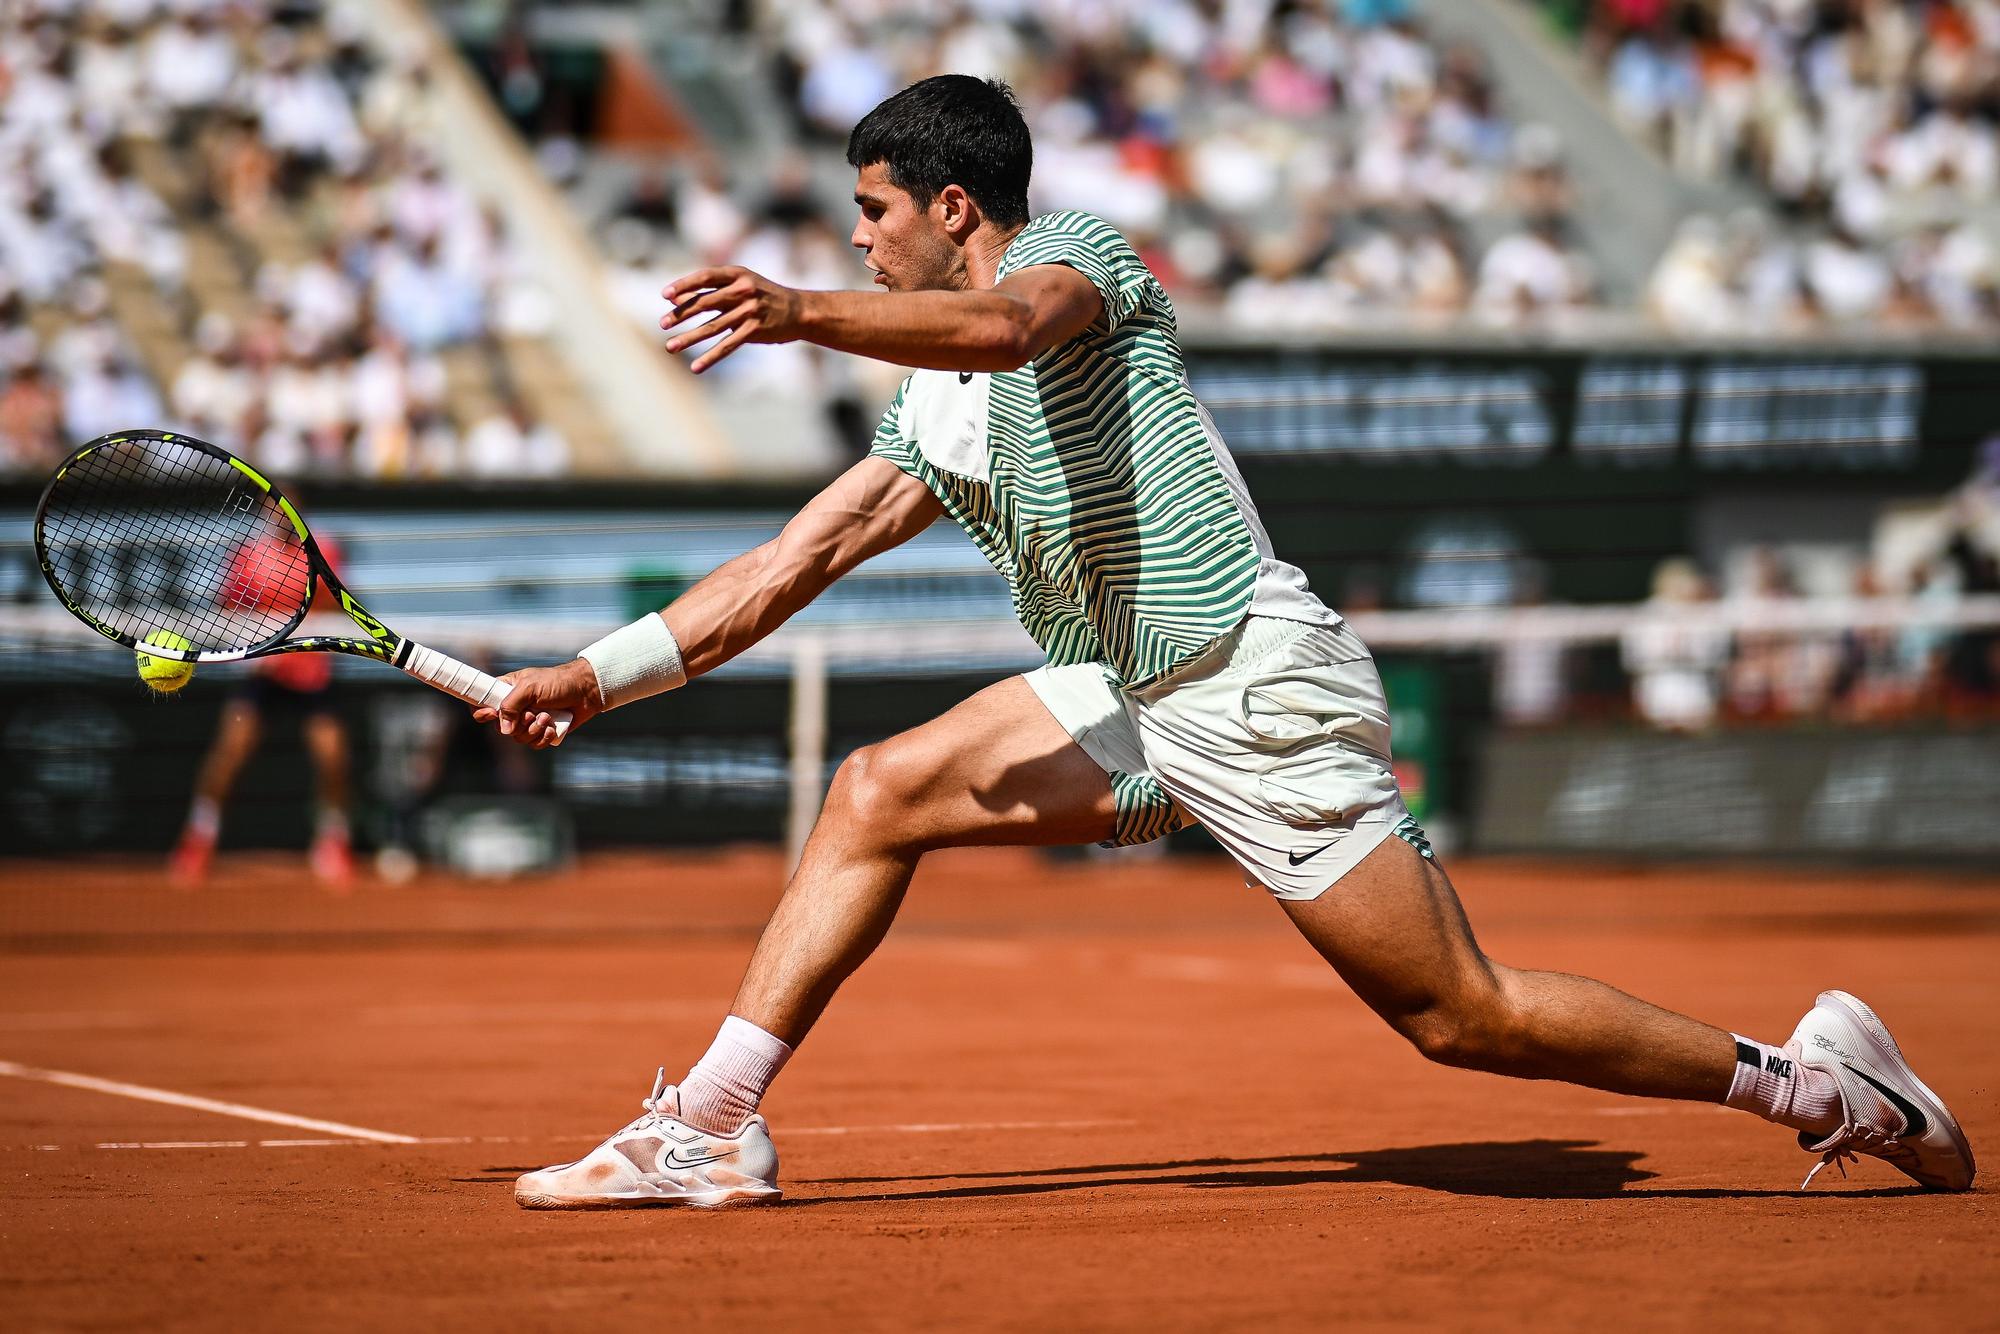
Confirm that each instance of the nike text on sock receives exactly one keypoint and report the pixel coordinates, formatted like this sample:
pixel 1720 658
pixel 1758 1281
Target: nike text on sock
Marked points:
pixel 725 1086
pixel 1774 1084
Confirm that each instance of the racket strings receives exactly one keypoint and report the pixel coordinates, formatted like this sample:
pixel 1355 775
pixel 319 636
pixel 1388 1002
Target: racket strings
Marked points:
pixel 146 535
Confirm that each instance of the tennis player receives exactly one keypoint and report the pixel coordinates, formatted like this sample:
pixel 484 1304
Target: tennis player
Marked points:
pixel 293 688
pixel 1192 675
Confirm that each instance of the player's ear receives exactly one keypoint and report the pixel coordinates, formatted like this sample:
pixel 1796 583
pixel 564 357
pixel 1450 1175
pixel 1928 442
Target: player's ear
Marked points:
pixel 956 212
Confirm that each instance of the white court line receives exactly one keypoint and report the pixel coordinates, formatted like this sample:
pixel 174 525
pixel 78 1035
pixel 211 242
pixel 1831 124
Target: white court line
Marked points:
pixel 908 1128
pixel 560 1012
pixel 172 1099
pixel 262 1143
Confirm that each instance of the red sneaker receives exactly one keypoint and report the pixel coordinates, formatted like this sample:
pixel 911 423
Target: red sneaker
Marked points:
pixel 187 866
pixel 332 861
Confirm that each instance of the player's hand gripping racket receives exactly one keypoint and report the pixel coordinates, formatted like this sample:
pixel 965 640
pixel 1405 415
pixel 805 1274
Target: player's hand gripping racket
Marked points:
pixel 148 531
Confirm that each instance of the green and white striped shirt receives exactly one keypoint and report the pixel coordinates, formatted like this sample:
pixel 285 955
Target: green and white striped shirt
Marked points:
pixel 1093 480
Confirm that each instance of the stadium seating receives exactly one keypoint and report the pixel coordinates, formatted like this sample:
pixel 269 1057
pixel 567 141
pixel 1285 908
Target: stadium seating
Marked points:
pixel 1868 130
pixel 1322 167
pixel 228 217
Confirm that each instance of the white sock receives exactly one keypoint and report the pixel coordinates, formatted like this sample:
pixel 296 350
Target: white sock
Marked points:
pixel 1778 1087
pixel 725 1086
pixel 204 818
pixel 330 822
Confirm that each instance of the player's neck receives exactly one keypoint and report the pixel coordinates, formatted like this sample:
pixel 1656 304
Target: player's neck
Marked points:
pixel 983 251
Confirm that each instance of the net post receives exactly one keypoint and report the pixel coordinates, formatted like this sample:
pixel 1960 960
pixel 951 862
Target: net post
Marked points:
pixel 808 743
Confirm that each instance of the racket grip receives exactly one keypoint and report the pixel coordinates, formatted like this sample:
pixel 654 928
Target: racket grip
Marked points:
pixel 468 683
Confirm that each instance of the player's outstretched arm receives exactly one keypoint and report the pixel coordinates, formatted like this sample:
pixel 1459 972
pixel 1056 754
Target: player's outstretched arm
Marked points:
pixel 870 508
pixel 1000 328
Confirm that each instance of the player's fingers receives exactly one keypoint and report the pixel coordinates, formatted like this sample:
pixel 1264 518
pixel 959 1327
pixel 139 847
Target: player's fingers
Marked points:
pixel 737 338
pixel 544 731
pixel 701 333
pixel 528 691
pixel 694 301
pixel 514 705
pixel 679 320
pixel 698 280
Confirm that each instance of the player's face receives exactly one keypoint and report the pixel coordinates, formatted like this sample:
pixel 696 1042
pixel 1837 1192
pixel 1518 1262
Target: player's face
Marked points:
pixel 906 247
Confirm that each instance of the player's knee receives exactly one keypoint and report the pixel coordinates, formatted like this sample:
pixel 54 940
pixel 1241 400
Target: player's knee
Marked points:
pixel 327 742
pixel 1440 1034
pixel 1476 1028
pixel 880 789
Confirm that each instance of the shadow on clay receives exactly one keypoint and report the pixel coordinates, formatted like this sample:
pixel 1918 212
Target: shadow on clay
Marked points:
pixel 1537 1169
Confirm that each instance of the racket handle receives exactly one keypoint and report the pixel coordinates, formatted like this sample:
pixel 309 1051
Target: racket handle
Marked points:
pixel 467 683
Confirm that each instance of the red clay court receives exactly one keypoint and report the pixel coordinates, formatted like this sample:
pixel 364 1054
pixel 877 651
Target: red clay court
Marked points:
pixel 1064 1095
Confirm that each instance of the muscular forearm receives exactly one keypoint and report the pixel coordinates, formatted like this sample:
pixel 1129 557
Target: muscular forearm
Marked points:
pixel 943 331
pixel 747 598
pixel 739 603
pixel 866 510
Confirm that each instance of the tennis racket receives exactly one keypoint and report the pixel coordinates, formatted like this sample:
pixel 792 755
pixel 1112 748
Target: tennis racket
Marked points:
pixel 145 532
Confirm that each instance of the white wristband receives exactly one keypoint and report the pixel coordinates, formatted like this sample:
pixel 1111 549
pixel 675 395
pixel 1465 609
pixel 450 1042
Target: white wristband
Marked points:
pixel 635 661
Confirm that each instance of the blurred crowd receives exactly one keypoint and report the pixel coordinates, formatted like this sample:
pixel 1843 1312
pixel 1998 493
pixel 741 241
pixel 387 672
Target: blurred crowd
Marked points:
pixel 666 226
pixel 1687 677
pixel 1684 672
pixel 343 265
pixel 1809 633
pixel 1872 127
pixel 1295 163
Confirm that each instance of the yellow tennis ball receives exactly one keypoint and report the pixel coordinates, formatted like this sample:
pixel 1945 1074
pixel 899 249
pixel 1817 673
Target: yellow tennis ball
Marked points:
pixel 164 675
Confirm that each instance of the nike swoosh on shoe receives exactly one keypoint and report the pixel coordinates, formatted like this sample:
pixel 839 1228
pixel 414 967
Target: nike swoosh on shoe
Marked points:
pixel 1914 1120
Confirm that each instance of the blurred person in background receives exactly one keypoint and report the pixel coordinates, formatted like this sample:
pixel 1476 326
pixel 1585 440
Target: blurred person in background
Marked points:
pixel 108 394
pixel 1675 663
pixel 512 443
pixel 1530 675
pixel 1775 673
pixel 31 420
pixel 1874 680
pixel 215 393
pixel 1972 664
pixel 242 172
pixel 292 688
pixel 190 65
pixel 423 300
pixel 1532 274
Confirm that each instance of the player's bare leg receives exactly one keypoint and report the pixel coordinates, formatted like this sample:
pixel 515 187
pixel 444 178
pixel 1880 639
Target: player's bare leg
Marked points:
pixel 326 741
pixel 236 738
pixel 995 770
pixel 1394 930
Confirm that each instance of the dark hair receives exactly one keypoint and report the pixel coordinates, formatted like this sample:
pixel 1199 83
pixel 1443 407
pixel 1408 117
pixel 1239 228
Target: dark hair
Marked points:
pixel 952 130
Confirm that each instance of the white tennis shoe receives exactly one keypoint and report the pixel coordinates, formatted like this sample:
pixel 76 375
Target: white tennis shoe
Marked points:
pixel 660 1159
pixel 1887 1112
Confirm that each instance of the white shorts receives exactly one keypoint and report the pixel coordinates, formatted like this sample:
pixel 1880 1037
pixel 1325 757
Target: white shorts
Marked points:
pixel 1276 739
